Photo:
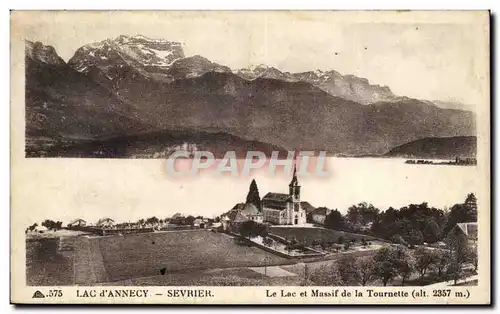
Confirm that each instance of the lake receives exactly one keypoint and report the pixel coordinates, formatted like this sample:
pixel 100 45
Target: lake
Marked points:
pixel 128 189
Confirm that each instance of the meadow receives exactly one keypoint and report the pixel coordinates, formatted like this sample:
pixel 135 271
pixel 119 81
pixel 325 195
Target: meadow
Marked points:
pixel 143 255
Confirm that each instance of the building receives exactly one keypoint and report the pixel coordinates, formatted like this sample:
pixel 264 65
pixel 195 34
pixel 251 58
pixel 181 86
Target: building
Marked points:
pixel 105 222
pixel 284 209
pixel 243 212
pixel 319 215
pixel 468 229
pixel 77 223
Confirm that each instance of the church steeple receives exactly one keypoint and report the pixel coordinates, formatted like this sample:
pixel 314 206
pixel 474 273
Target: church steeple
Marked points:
pixel 294 187
pixel 294 181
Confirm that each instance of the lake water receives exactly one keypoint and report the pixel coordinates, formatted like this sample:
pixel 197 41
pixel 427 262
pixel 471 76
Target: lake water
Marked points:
pixel 127 190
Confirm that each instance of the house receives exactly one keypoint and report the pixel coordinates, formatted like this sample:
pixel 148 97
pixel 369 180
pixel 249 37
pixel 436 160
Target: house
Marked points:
pixel 77 223
pixel 319 215
pixel 307 207
pixel 198 222
pixel 284 209
pixel 105 222
pixel 251 212
pixel 468 229
pixel 41 229
pixel 242 212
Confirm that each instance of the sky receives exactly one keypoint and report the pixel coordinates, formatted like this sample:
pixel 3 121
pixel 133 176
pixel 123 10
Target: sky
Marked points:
pixel 425 56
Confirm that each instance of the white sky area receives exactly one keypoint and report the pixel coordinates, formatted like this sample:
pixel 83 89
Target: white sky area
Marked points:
pixel 428 57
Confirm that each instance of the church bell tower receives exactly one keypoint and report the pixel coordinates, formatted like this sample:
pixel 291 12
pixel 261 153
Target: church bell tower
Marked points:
pixel 294 187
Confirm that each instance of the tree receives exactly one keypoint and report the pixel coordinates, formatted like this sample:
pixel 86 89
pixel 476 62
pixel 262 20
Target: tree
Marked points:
pixel 466 212
pixel 405 263
pixel 460 253
pixel 384 267
pixel 361 214
pixel 326 275
pixel 152 221
pixel 33 227
pixel 189 220
pixel 391 262
pixel 334 220
pixel 52 225
pixel 441 262
pixel 424 259
pixel 471 202
pixel 415 237
pixel 253 196
pixel 348 270
pixel 249 229
pixel 454 271
pixel 365 266
pixel 397 239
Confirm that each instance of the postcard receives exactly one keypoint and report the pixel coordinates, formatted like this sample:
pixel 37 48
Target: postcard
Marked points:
pixel 250 157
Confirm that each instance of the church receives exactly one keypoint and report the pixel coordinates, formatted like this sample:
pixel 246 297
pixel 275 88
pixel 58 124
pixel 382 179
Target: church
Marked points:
pixel 284 209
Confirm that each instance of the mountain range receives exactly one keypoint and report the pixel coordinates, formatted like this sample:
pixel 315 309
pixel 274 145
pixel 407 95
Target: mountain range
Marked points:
pixel 134 86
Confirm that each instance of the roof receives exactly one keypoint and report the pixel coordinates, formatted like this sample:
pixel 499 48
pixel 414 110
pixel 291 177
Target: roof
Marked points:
pixel 198 221
pixel 238 206
pixel 250 209
pixel 294 181
pixel 469 229
pixel 321 211
pixel 232 214
pixel 75 221
pixel 239 217
pixel 307 207
pixel 280 197
pixel 100 221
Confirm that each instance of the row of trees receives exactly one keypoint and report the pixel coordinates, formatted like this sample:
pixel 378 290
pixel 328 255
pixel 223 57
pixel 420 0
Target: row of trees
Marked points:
pixel 413 224
pixel 398 262
pixel 250 229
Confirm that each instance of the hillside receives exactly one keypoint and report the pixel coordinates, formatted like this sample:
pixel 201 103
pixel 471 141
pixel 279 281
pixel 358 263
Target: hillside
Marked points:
pixel 135 85
pixel 155 145
pixel 437 147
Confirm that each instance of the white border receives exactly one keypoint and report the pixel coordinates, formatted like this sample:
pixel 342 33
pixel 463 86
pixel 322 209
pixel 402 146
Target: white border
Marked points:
pixel 190 5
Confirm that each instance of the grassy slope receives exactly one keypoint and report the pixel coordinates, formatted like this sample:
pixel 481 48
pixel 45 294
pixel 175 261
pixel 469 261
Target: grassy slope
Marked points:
pixel 143 255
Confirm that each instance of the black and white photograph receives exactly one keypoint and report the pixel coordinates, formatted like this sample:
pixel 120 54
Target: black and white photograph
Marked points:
pixel 312 150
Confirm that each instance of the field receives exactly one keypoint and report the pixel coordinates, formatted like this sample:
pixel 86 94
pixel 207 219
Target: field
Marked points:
pixel 191 257
pixel 45 265
pixel 308 235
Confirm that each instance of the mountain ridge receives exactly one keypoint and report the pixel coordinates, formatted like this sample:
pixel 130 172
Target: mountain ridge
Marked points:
pixel 437 147
pixel 289 114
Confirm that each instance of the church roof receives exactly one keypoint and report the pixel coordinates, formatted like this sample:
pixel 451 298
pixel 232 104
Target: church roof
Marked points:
pixel 250 210
pixel 280 197
pixel 307 207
